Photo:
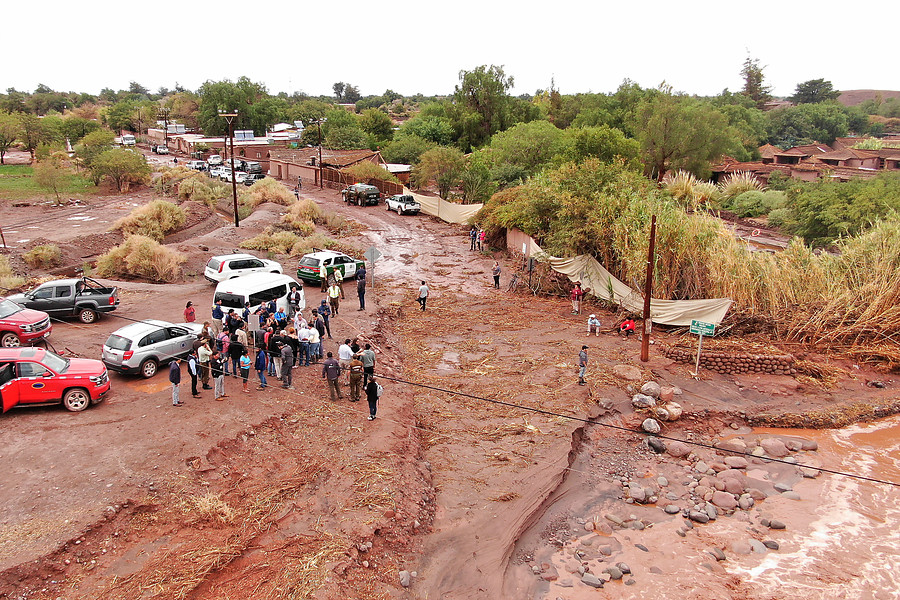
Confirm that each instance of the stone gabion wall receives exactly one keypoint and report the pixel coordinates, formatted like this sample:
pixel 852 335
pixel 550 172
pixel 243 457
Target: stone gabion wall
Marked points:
pixel 731 363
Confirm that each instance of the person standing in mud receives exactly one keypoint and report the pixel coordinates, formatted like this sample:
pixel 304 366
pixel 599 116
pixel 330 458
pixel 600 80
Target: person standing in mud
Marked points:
pixel 361 287
pixel 576 297
pixel 356 377
pixel 473 238
pixel 495 271
pixel 582 365
pixel 423 295
pixel 372 395
pixel 335 293
pixel 217 316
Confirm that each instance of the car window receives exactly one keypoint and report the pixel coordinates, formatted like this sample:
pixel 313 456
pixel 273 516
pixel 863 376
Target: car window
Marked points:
pixel 8 308
pixel 63 291
pixel 176 332
pixel 31 369
pixel 327 261
pixel 44 293
pixel 117 342
pixel 214 264
pixel 6 373
pixel 237 264
pixel 154 337
pixel 254 264
pixel 309 261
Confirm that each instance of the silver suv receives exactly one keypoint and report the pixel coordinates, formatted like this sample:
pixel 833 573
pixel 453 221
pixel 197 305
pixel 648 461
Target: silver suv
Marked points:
pixel 142 347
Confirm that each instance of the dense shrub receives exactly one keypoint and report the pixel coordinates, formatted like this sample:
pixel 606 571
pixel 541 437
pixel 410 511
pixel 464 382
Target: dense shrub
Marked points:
pixel 44 256
pixel 8 279
pixel 140 256
pixel 267 190
pixel 286 242
pixel 755 203
pixel 363 171
pixel 153 220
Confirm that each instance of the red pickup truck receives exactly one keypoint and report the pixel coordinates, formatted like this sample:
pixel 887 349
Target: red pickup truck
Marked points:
pixel 30 376
pixel 21 325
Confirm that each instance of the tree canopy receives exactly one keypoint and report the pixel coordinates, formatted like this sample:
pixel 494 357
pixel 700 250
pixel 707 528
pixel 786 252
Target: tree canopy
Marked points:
pixel 814 91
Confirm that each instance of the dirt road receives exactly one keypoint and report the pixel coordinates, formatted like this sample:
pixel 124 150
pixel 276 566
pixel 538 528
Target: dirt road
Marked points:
pixel 284 494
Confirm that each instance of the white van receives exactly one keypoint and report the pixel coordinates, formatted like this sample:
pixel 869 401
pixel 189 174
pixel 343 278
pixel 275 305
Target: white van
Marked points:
pixel 257 288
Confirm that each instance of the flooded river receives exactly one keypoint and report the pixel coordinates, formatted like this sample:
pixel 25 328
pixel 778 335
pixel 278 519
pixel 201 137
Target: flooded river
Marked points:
pixel 841 537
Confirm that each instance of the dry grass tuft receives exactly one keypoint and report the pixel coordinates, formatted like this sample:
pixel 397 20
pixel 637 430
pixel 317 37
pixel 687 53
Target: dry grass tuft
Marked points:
pixel 153 220
pixel 140 256
pixel 209 507
pixel 44 256
pixel 267 190
pixel 8 279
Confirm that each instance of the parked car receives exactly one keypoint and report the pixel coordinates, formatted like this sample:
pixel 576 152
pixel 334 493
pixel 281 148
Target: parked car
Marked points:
pixel 239 177
pixel 20 325
pixel 36 376
pixel 403 203
pixel 257 288
pixel 127 140
pixel 216 172
pixel 84 298
pixel 142 347
pixel 214 160
pixel 160 148
pixel 252 178
pixel 196 165
pixel 228 266
pixel 252 167
pixel 316 266
pixel 361 194
pixel 225 174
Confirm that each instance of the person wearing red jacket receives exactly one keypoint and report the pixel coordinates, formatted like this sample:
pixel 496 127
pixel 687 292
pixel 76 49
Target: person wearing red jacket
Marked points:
pixel 627 327
pixel 576 297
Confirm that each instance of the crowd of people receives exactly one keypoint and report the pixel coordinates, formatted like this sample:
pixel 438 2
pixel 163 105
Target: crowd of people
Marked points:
pixel 273 342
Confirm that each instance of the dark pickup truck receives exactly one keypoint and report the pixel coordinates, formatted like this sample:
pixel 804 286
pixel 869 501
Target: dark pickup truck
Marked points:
pixel 83 298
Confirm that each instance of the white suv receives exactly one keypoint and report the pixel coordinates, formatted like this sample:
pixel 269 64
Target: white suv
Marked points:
pixel 229 266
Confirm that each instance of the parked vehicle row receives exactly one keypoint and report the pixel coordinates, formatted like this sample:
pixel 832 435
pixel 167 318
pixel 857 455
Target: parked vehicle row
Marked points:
pixel 84 298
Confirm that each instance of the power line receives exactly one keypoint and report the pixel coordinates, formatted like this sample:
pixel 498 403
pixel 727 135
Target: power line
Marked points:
pixel 550 413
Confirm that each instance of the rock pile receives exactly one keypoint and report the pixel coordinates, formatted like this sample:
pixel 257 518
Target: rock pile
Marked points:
pixel 731 363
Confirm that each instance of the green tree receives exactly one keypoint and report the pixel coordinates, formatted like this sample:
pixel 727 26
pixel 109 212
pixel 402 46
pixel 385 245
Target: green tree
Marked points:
pixel 441 165
pixel 91 146
pixel 255 107
pixel 753 82
pixel 121 165
pixel 346 138
pixel 807 123
pixel 529 146
pixel 74 128
pixel 50 174
pixel 476 183
pixel 377 124
pixel 604 143
pixel 9 131
pixel 437 129
pixel 481 105
pixel 308 111
pixel 406 149
pixel 678 132
pixel 32 132
pixel 814 91
pixel 121 116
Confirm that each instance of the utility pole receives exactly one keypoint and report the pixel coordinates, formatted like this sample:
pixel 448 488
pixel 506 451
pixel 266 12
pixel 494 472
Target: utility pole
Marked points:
pixel 164 114
pixel 230 118
pixel 319 126
pixel 648 288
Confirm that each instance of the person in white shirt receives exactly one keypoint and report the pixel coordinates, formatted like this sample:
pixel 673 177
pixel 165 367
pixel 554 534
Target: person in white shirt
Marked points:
pixel 423 295
pixel 303 337
pixel 593 325
pixel 345 355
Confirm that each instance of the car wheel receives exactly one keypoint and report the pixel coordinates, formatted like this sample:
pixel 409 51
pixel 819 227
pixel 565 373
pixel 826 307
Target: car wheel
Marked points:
pixel 10 340
pixel 149 368
pixel 388 207
pixel 76 400
pixel 87 315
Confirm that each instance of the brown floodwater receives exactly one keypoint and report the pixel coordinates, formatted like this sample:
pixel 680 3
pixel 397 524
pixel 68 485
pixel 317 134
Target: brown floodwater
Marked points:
pixel 848 545
pixel 841 539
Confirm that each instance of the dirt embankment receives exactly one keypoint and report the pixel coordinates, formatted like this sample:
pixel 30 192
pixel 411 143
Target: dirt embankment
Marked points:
pixel 283 493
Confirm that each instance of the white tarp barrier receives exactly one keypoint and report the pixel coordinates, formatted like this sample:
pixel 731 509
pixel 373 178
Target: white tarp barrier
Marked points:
pixel 446 211
pixel 601 283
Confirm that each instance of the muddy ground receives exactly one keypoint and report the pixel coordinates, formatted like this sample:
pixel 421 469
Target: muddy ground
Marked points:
pixel 285 494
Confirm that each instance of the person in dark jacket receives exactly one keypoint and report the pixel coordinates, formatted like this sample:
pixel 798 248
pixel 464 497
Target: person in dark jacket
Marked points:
pixel 194 372
pixel 287 366
pixel 175 378
pixel 372 397
pixel 235 350
pixel 262 365
pixel 218 375
pixel 361 287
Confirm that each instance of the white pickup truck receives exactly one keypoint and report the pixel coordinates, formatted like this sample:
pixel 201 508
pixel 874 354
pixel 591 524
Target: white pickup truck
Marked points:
pixel 403 203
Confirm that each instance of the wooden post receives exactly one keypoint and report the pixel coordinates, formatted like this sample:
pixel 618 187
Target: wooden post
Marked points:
pixel 648 288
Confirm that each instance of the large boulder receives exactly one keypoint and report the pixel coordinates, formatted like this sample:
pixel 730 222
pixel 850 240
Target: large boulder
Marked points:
pixel 627 372
pixel 642 401
pixel 724 500
pixel 651 426
pixel 774 447
pixel 677 449
pixel 651 388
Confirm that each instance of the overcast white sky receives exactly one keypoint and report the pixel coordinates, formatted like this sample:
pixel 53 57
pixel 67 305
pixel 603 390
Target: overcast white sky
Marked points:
pixel 696 46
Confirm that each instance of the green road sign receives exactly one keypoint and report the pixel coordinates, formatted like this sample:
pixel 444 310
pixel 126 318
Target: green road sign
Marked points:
pixel 702 328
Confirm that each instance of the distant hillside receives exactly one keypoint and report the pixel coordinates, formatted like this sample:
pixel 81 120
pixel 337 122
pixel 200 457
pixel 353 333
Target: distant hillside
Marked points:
pixel 854 97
